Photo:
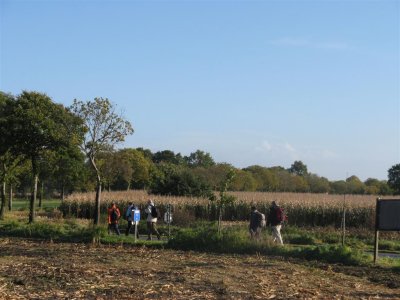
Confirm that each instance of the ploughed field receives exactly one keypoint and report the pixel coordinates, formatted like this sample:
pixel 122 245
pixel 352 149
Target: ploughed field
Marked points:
pixel 43 270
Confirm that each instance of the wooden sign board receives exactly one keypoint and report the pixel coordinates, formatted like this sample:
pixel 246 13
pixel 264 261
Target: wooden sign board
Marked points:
pixel 388 215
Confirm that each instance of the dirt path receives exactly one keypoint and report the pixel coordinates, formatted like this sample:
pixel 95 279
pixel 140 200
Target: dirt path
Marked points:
pixel 35 270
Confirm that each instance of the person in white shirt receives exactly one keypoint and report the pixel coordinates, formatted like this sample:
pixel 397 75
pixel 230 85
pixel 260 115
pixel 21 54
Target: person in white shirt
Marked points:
pixel 152 215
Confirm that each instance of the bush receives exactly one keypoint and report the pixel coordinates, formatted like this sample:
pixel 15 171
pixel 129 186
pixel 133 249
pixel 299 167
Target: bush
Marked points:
pixel 331 254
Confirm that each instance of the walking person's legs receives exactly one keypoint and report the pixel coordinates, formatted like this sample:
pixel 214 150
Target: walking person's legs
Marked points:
pixel 128 230
pixel 149 230
pixel 276 233
pixel 154 229
pixel 116 229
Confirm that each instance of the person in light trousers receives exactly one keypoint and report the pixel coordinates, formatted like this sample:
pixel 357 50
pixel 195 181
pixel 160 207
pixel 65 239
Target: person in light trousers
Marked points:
pixel 152 214
pixel 275 219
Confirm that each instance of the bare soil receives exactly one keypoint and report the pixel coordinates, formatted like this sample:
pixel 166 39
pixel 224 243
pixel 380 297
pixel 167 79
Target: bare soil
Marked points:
pixel 44 270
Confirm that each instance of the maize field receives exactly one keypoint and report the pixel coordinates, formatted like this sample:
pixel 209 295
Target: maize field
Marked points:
pixel 302 209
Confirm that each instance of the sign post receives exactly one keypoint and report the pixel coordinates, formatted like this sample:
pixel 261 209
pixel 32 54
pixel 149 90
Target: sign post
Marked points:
pixel 136 219
pixel 168 219
pixel 386 219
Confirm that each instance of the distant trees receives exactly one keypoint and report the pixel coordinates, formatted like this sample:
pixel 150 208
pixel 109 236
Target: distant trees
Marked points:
pixel 394 178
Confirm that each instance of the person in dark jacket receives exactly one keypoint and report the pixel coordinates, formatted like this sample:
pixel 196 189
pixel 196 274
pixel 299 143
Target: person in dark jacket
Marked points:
pixel 255 223
pixel 129 216
pixel 113 216
pixel 275 219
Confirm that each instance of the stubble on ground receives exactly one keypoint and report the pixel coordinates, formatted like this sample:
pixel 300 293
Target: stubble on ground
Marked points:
pixel 44 270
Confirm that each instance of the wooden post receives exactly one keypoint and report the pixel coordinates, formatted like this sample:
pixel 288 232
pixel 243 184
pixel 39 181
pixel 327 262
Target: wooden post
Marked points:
pixel 344 220
pixel 376 245
pixel 135 231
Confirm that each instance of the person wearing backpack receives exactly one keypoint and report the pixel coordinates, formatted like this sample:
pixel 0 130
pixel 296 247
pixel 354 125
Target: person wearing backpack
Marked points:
pixel 275 219
pixel 257 221
pixel 129 216
pixel 113 216
pixel 152 214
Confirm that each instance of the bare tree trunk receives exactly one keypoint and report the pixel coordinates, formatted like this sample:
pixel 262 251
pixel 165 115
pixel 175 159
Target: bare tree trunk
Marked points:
pixel 41 194
pixel 98 198
pixel 219 219
pixel 98 192
pixel 34 192
pixel 10 198
pixel 3 200
pixel 62 192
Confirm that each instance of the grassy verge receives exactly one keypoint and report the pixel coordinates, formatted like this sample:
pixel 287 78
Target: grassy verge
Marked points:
pixel 307 244
pixel 205 237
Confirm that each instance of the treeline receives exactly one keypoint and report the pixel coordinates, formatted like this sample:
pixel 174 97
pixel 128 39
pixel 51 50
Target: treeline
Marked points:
pixel 48 149
pixel 169 173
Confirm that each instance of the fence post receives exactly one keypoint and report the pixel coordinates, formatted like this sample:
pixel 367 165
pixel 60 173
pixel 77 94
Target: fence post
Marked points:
pixel 376 244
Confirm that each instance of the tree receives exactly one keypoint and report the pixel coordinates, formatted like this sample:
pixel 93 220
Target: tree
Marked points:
pixel 338 187
pixel 140 166
pixel 317 184
pixel 104 129
pixel 243 181
pixel 298 168
pixel 394 178
pixel 69 169
pixel 266 180
pixel 168 156
pixel 179 181
pixel 199 159
pixel 224 198
pixel 39 125
pixel 355 185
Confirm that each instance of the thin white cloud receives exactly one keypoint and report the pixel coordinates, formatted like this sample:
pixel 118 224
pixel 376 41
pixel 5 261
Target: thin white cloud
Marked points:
pixel 289 148
pixel 283 149
pixel 303 42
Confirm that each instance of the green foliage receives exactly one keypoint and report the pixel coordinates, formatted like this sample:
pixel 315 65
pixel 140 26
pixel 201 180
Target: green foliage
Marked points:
pixel 318 184
pixel 103 129
pixel 332 254
pixel 178 181
pixel 39 124
pixel 298 168
pixel 57 231
pixel 205 237
pixel 199 159
pixel 355 185
pixel 394 178
pixel 168 156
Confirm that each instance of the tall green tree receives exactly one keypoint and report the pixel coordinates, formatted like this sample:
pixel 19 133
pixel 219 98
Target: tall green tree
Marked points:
pixel 138 164
pixel 199 159
pixel 394 178
pixel 104 129
pixel 298 168
pixel 39 125
pixel 69 169
pixel 355 185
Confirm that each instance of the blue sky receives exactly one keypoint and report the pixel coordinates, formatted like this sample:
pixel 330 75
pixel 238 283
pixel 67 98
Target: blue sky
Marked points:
pixel 250 82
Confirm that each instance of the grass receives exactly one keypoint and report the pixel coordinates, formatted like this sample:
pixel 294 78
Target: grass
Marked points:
pixel 236 240
pixel 306 243
pixel 47 204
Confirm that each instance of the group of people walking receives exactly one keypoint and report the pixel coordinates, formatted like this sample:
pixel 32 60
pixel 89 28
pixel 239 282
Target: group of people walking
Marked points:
pixel 114 214
pixel 275 219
